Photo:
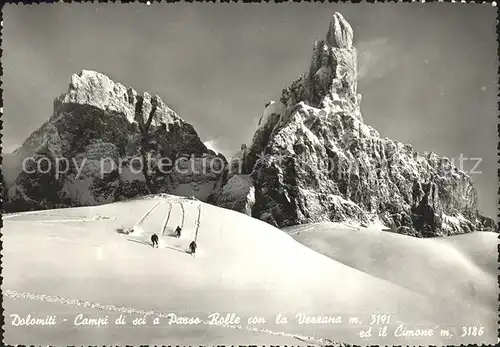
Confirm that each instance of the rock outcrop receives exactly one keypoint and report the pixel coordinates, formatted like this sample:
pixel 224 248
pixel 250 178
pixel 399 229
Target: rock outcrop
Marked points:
pixel 314 159
pixel 237 194
pixel 105 142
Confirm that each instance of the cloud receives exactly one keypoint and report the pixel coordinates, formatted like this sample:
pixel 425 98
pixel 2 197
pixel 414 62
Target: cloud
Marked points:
pixel 376 58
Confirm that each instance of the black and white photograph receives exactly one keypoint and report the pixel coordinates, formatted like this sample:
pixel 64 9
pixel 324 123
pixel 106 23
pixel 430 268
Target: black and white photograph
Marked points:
pixel 274 174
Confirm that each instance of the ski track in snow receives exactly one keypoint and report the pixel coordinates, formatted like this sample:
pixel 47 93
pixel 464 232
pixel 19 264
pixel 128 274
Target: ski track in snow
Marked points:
pixel 14 294
pixel 138 231
pixel 183 213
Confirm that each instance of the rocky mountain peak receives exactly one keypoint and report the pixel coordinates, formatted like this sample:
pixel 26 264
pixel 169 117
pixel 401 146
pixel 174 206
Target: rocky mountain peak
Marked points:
pixel 312 158
pixel 331 80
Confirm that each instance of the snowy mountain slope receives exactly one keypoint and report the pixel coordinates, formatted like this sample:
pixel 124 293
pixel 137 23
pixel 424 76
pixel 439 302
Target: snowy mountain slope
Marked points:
pixel 468 262
pixel 242 265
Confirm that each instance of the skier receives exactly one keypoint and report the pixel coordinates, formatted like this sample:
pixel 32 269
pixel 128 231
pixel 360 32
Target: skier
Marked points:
pixel 178 231
pixel 154 240
pixel 192 247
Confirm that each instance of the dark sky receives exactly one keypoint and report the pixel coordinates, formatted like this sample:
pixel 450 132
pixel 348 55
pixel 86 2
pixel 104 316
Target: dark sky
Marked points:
pixel 428 72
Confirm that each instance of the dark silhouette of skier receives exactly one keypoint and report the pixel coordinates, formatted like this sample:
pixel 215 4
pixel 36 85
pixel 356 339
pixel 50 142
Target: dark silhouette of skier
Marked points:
pixel 178 231
pixel 154 240
pixel 192 248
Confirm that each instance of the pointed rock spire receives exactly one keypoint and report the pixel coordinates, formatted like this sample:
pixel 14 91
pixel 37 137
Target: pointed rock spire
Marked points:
pixel 340 32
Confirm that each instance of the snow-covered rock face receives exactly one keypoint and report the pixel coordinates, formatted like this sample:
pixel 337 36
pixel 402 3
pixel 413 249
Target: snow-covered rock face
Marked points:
pixel 313 159
pixel 108 132
pixel 340 32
